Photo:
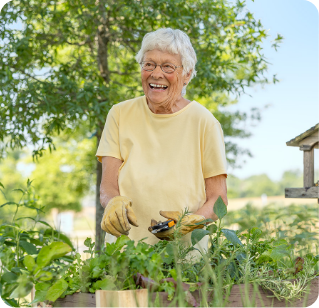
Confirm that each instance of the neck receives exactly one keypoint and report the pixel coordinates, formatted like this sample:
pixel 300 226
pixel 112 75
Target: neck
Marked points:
pixel 167 107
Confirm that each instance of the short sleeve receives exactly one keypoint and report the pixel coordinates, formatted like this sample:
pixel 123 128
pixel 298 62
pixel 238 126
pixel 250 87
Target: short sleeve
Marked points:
pixel 214 157
pixel 109 144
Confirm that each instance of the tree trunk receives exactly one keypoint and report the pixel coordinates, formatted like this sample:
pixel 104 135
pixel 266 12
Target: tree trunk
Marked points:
pixel 102 60
pixel 99 233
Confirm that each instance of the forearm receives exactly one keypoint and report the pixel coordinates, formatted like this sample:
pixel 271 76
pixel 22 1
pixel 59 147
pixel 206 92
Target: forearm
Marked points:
pixel 109 184
pixel 107 193
pixel 215 187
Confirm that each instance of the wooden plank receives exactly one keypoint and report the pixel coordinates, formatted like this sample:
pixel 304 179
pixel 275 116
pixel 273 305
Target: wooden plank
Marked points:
pixel 240 296
pixel 311 140
pixel 128 298
pixel 308 168
pixel 254 296
pixel 76 300
pixel 296 141
pixel 306 192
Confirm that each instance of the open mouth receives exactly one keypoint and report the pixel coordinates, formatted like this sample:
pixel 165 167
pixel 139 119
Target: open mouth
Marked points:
pixel 158 86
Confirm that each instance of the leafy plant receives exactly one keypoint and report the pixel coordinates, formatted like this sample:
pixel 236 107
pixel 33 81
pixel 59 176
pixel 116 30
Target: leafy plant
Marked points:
pixel 32 256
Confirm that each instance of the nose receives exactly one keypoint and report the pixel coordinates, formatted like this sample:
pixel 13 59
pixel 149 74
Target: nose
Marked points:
pixel 157 73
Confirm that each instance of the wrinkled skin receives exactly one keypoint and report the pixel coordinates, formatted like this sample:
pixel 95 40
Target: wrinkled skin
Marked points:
pixel 169 100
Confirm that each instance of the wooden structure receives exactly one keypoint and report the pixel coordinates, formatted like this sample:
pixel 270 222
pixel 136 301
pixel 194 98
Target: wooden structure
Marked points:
pixel 239 296
pixel 307 142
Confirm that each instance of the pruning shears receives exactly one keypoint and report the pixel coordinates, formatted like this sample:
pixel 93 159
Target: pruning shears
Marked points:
pixel 163 226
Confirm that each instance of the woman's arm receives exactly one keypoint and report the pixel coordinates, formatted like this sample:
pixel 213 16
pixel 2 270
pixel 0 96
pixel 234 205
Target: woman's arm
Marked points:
pixel 215 186
pixel 109 184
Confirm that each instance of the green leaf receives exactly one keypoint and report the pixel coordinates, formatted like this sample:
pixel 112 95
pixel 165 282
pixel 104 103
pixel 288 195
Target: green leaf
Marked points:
pixel 51 252
pixel 58 235
pixel 220 208
pixel 212 228
pixel 9 277
pixel 121 241
pixel 39 296
pixel 29 263
pixel 1 185
pixel 11 302
pixel 8 203
pixel 204 221
pixel 17 270
pixel 28 247
pixel 279 252
pixel 197 235
pixel 232 237
pixel 88 242
pixel 43 275
pixel 22 290
pixel 45 223
pixel 105 284
pixel 25 217
pixel 56 290
pixel 42 286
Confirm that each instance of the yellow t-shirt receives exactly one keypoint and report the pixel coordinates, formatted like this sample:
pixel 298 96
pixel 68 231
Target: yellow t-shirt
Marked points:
pixel 166 158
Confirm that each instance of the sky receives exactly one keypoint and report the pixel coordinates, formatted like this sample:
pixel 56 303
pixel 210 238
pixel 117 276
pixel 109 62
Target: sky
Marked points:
pixel 294 100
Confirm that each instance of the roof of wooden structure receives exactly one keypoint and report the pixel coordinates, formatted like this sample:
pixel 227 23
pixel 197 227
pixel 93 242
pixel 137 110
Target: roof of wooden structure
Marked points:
pixel 295 142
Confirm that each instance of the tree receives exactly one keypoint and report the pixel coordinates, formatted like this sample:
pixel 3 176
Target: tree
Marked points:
pixel 63 178
pixel 73 59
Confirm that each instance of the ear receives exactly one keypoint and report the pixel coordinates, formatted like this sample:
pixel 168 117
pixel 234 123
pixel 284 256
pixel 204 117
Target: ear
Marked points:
pixel 188 76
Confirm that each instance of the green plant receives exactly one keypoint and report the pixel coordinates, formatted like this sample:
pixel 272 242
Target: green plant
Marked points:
pixel 29 256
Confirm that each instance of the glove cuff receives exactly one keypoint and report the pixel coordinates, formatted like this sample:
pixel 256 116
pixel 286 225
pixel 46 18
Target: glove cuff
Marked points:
pixel 121 198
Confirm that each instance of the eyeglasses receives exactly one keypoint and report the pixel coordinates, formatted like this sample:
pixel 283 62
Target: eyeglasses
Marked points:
pixel 150 66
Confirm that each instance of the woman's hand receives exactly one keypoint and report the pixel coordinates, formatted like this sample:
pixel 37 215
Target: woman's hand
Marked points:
pixel 118 215
pixel 188 224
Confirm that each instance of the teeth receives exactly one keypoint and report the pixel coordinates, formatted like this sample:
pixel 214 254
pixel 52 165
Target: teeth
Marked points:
pixel 158 85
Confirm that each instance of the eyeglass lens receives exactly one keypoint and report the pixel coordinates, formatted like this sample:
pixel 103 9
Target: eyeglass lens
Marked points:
pixel 166 67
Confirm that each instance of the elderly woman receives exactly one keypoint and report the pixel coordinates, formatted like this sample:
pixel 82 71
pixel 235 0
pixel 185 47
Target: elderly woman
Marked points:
pixel 161 153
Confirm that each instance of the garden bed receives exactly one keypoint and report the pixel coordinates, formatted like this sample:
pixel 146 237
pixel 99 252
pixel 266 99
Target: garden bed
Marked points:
pixel 238 297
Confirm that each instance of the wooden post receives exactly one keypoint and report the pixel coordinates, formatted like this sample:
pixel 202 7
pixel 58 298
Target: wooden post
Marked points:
pixel 128 298
pixel 308 166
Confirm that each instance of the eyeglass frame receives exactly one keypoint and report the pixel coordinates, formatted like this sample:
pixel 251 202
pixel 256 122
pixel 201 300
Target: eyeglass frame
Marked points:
pixel 160 65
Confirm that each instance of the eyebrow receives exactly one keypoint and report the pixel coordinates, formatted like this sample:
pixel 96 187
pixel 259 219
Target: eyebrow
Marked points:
pixel 166 61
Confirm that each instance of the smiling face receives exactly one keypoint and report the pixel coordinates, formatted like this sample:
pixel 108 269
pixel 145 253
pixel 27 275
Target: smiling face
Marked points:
pixel 163 89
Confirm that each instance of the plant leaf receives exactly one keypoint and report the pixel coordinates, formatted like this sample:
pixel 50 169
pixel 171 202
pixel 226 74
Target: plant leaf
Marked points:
pixel 29 263
pixel 56 290
pixel 9 277
pixel 11 302
pixel 204 221
pixel 58 235
pixel 53 251
pixel 44 223
pixel 43 276
pixel 232 237
pixel 7 203
pixel 28 247
pixel 220 208
pixel 197 235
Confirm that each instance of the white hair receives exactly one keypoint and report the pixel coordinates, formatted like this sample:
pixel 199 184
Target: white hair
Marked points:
pixel 174 42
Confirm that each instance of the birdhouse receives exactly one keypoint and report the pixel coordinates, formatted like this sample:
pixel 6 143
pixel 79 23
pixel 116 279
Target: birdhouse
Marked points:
pixel 307 142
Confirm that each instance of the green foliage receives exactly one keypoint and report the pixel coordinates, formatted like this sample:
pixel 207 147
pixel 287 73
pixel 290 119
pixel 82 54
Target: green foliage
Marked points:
pixel 252 255
pixel 63 177
pixel 29 256
pixel 256 185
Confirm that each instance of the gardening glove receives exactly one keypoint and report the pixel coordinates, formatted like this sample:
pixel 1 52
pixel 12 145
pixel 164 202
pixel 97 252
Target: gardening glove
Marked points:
pixel 118 215
pixel 187 224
